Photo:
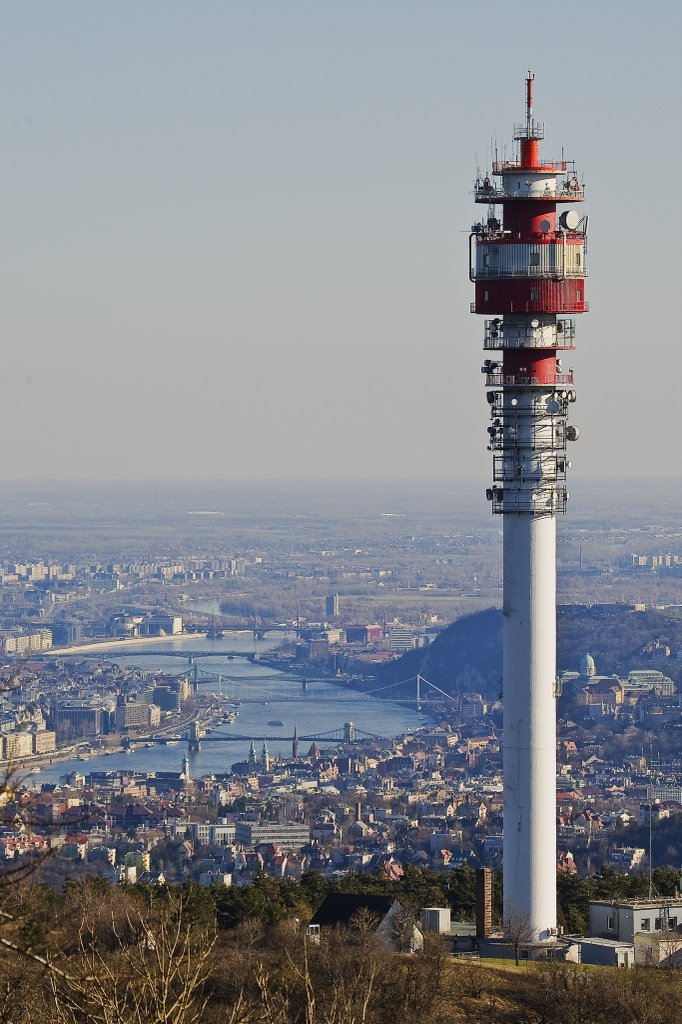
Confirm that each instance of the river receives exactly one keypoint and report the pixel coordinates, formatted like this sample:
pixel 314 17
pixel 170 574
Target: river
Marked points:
pixel 243 679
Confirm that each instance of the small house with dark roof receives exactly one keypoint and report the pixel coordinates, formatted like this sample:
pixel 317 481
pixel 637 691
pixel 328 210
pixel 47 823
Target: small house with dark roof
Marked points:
pixel 387 915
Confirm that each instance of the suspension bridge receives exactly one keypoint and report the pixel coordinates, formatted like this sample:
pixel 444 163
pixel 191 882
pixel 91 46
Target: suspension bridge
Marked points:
pixel 349 733
pixel 415 692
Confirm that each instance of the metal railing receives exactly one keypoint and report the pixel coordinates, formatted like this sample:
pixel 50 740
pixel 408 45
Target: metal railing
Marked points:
pixel 547 472
pixel 520 380
pixel 565 192
pixel 503 442
pixel 525 130
pixel 548 273
pixel 539 502
pixel 533 307
pixel 499 343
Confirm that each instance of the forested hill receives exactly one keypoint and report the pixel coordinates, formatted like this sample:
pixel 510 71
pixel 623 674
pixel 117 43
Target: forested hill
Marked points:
pixel 467 655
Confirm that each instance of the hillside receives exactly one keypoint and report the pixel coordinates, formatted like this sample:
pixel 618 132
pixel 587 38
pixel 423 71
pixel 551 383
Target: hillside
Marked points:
pixel 467 655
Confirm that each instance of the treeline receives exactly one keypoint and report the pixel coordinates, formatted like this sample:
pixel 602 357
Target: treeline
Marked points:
pixel 268 902
pixel 100 954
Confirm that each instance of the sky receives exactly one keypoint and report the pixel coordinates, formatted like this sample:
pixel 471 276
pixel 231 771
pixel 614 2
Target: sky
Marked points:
pixel 234 235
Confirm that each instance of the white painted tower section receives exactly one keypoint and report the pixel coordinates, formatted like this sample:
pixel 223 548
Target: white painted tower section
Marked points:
pixel 529 745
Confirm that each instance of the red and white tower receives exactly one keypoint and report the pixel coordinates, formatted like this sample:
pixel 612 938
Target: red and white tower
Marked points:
pixel 528 266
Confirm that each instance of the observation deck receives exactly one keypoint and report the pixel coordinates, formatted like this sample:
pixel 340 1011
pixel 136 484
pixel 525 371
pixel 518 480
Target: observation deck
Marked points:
pixel 569 191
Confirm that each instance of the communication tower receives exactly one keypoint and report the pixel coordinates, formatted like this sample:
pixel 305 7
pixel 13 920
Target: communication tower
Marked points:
pixel 528 267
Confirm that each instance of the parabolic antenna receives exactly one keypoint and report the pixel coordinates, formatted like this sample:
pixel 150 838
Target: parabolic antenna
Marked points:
pixel 570 220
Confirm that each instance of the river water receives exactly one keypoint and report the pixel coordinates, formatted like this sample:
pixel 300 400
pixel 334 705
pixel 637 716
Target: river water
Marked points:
pixel 318 712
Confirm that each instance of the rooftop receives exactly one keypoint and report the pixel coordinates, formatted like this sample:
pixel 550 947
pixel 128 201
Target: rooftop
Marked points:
pixel 658 901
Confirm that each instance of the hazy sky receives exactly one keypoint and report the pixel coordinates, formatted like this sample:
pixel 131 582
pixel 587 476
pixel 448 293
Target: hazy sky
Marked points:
pixel 234 235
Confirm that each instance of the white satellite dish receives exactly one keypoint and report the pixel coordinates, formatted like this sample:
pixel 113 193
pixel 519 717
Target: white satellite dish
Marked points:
pixel 535 323
pixel 570 220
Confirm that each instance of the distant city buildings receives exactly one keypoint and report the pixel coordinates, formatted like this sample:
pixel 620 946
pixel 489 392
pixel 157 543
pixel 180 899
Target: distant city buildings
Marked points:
pixel 135 714
pixel 668 564
pixel 401 637
pixel 287 835
pixel 77 718
pixel 14 641
pixel 130 626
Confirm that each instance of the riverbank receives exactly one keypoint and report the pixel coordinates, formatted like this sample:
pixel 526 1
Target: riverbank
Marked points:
pixel 137 643
pixel 12 766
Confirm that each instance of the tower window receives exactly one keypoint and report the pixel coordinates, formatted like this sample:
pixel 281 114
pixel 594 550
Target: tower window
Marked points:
pixel 534 259
pixel 535 295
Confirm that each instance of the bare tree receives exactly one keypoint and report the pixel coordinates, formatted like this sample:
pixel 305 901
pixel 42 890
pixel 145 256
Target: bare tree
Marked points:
pixel 518 930
pixel 670 949
pixel 153 973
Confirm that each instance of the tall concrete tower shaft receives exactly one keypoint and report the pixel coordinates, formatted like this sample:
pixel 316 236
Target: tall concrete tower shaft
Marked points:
pixel 528 267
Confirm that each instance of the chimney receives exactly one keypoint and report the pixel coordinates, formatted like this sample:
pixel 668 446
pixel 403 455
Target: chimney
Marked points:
pixel 484 902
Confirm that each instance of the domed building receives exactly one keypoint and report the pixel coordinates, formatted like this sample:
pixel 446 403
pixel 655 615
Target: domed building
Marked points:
pixel 588 669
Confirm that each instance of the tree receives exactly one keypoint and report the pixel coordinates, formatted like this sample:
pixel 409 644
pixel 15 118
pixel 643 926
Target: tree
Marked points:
pixel 138 965
pixel 518 930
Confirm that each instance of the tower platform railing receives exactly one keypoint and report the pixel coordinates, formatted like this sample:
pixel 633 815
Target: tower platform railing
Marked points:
pixel 520 380
pixel 534 307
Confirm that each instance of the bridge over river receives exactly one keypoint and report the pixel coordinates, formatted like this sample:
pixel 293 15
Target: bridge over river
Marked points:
pixel 415 692
pixel 425 695
pixel 348 734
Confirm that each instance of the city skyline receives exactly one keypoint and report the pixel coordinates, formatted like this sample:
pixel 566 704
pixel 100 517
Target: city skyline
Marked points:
pixel 235 238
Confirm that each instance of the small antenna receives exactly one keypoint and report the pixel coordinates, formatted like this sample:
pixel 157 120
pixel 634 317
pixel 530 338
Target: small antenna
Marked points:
pixel 529 103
